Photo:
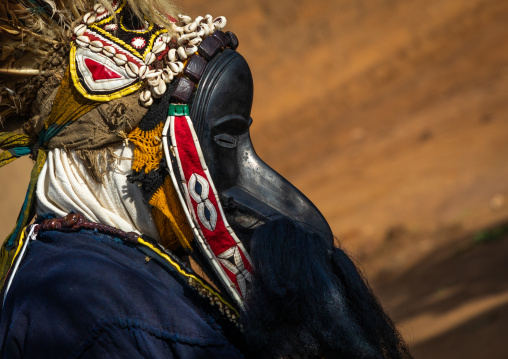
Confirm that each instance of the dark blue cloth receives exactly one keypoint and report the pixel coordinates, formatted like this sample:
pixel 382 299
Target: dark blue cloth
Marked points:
pixel 87 295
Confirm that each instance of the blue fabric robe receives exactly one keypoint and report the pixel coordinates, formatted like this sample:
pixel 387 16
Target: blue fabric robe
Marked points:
pixel 89 295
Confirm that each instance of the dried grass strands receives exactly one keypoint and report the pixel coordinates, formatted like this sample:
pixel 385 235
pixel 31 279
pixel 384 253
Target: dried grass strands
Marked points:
pixel 25 72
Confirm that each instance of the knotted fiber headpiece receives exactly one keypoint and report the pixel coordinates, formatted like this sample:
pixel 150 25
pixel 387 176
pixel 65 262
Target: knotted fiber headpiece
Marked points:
pixel 47 101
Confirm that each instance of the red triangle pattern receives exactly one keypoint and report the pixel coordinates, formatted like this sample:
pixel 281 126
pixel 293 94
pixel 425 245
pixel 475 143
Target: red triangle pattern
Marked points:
pixel 100 71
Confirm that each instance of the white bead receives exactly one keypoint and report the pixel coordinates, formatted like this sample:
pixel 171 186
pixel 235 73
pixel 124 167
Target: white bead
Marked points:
pixel 206 29
pixel 182 53
pixel 89 18
pixel 149 58
pixel 79 30
pixel 184 39
pixel 120 59
pixel 109 51
pixel 83 41
pixel 131 69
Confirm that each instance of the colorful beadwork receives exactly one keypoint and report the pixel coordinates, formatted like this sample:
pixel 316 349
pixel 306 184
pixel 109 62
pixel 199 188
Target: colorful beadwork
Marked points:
pixel 105 66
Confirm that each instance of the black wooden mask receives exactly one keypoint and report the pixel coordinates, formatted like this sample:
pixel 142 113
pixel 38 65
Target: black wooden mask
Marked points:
pixel 251 192
pixel 226 190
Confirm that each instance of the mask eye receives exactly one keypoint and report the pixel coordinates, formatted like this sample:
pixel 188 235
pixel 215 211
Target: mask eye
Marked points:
pixel 225 140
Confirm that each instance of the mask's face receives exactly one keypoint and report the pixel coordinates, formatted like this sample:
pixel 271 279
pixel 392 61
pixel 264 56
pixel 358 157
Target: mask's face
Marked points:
pixel 250 191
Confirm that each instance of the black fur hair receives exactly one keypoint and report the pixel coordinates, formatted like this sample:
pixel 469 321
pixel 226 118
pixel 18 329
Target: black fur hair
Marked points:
pixel 308 300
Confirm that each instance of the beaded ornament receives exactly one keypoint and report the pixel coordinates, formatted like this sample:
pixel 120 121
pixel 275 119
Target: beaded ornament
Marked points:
pixel 108 61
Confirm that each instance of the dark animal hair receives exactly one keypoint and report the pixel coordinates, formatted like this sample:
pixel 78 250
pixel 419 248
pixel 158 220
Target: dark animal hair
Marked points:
pixel 308 300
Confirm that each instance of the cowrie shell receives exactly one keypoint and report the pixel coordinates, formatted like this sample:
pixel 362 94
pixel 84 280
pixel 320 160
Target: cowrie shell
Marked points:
pixel 153 82
pixel 96 46
pixel 206 29
pixel 190 49
pixel 167 75
pixel 148 103
pixel 159 47
pixel 83 41
pixel 120 59
pixel 89 18
pixel 96 7
pixel 143 70
pixel 195 41
pixel 220 22
pixel 200 31
pixel 145 95
pixel 176 67
pixel 99 9
pixel 160 89
pixel 109 51
pixel 153 73
pixel 131 69
pixel 184 39
pixel 182 53
pixel 209 19
pixel 166 38
pixel 190 27
pixel 184 18
pixel 79 30
pixel 149 58
pixel 172 55
pixel 178 28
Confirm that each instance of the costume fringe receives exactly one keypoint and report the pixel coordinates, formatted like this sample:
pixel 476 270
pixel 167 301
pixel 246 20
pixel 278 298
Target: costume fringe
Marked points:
pixel 148 151
pixel 97 161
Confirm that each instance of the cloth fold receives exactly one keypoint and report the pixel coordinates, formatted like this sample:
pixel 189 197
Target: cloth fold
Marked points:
pixel 64 185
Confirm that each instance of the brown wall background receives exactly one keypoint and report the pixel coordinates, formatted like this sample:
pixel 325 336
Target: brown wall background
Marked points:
pixel 391 116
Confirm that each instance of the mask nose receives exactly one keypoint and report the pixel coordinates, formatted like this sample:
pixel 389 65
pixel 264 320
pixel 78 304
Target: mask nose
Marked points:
pixel 261 195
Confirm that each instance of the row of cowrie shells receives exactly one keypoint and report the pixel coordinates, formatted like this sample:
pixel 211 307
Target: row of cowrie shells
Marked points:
pixel 157 79
pixel 91 17
pixel 189 37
